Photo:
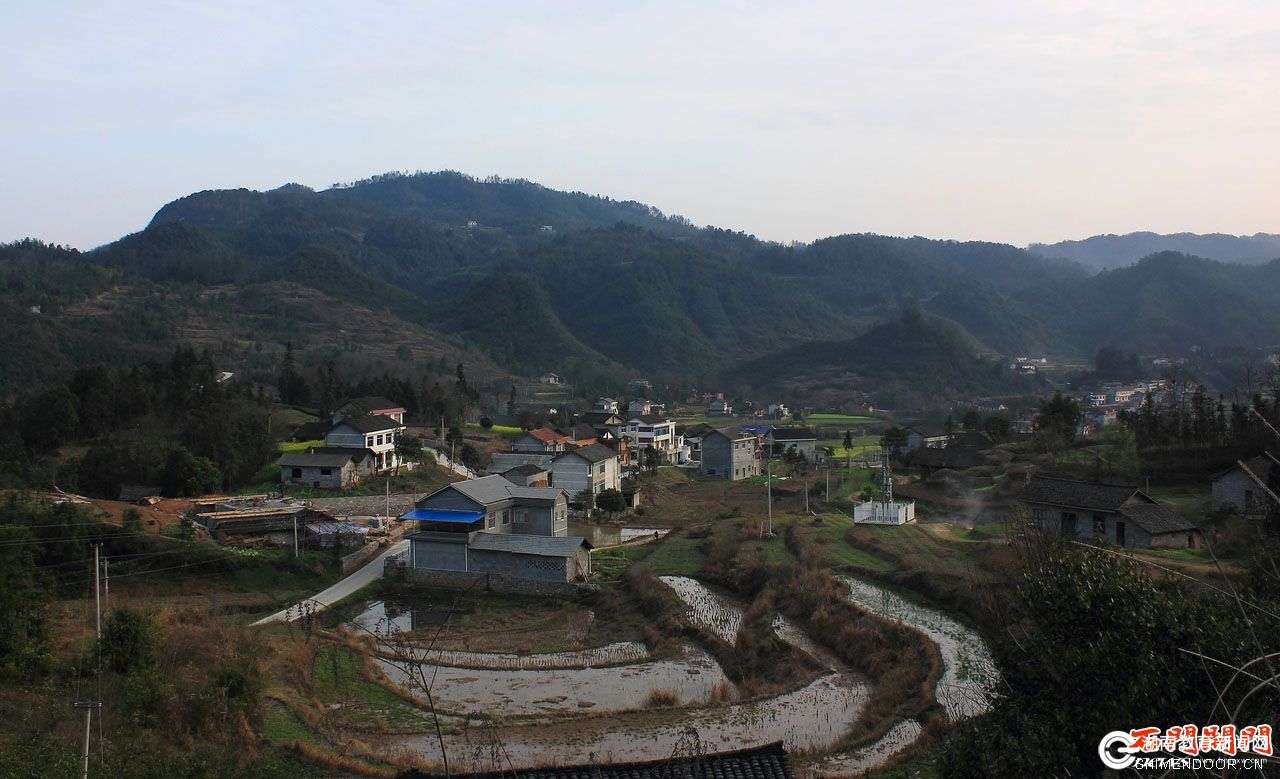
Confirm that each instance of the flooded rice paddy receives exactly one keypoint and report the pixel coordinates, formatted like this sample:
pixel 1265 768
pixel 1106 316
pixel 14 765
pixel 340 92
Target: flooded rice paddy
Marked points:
pixel 528 710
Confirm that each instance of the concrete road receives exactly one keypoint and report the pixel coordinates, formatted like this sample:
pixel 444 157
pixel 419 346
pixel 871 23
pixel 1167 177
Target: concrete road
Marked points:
pixel 336 592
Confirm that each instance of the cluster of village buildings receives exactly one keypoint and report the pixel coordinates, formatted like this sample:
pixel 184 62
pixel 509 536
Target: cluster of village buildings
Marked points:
pixel 509 525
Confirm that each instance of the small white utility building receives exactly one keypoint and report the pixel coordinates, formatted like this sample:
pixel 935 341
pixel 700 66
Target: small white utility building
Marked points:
pixel 885 510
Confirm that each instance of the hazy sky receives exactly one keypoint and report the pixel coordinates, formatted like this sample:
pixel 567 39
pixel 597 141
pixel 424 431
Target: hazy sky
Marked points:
pixel 1015 121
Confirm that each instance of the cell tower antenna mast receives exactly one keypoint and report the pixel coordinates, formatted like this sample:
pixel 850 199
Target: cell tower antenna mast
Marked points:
pixel 886 478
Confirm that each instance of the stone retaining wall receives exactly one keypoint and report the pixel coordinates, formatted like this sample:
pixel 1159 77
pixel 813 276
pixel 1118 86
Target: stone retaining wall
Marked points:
pixel 493 582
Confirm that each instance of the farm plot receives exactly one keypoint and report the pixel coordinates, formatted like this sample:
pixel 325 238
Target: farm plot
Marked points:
pixel 706 608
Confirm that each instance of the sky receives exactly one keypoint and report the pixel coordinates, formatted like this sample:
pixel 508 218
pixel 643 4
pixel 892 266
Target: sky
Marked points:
pixel 1015 121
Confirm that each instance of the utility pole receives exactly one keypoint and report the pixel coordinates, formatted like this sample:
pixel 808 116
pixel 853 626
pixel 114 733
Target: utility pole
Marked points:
pixel 768 492
pixel 295 535
pixel 388 508
pixel 88 707
pixel 97 602
pixel 828 498
pixel 106 581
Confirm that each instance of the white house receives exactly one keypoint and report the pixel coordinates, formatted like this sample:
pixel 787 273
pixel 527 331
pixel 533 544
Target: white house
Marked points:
pixel 374 432
pixel 606 406
pixel 646 431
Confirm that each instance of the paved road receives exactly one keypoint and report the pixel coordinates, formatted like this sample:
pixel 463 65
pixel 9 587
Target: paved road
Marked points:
pixel 336 592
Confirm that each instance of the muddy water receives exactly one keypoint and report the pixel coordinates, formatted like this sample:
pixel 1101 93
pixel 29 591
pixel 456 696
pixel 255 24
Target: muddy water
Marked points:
pixel 612 535
pixel 707 608
pixel 512 693
pixel 969 673
pixel 813 718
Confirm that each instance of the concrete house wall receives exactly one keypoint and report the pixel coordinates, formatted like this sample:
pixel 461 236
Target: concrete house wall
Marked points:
pixel 575 474
pixel 316 476
pixel 728 459
pixel 1234 490
pixel 439 551
pixel 1100 527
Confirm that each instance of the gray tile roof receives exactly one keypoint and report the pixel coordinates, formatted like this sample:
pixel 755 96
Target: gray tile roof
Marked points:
pixel 317 459
pixel 1156 518
pixel 503 461
pixel 494 488
pixel 594 453
pixel 519 543
pixel 793 434
pixel 369 423
pixel 1072 493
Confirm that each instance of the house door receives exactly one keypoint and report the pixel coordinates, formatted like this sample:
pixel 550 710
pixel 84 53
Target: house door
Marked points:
pixel 1119 533
pixel 1068 524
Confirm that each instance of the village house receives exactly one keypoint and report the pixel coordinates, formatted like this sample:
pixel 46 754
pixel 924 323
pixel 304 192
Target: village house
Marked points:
pixel 372 404
pixel 588 470
pixel 719 407
pixel 798 440
pixel 491 528
pixel 500 462
pixel 1120 515
pixel 692 436
pixel 729 454
pixel 325 468
pixel 551 378
pixel 1241 488
pixel 540 440
pixel 919 437
pixel 778 411
pixel 528 475
pixel 582 434
pixel 374 432
pixel 603 421
pixel 605 406
pixel 658 432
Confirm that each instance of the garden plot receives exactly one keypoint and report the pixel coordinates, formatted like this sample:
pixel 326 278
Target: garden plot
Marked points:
pixel 693 675
pixel 969 674
pixel 706 608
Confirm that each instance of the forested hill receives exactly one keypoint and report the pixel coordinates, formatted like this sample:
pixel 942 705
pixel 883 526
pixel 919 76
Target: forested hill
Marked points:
pixel 912 360
pixel 1114 251
pixel 523 278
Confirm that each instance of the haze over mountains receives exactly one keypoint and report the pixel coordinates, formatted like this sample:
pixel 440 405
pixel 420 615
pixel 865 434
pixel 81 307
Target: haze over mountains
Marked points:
pixel 514 277
pixel 1113 251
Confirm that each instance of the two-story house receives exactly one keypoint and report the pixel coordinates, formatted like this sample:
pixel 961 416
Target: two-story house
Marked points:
pixel 374 432
pixel 1242 487
pixel 586 470
pixel 720 408
pixel 729 454
pixel 490 528
pixel 798 440
pixel 605 406
pixel 1117 514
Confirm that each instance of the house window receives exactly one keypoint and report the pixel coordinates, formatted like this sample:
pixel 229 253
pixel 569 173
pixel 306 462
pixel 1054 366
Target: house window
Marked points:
pixel 1068 524
pixel 326 471
pixel 296 473
pixel 489 520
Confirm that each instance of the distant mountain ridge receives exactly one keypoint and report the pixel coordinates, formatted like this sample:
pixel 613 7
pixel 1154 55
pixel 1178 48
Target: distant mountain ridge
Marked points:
pixel 1114 251
pixel 524 278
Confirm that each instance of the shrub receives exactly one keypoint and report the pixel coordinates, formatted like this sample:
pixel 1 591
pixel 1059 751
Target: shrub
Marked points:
pixel 660 697
pixel 130 639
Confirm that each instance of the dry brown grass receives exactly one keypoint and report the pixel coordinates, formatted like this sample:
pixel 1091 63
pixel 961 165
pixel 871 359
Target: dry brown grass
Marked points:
pixel 722 692
pixel 325 756
pixel 662 697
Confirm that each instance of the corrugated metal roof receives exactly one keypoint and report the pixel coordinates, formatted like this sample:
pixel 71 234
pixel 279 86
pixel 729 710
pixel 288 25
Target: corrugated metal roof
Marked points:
pixel 443 515
pixel 519 543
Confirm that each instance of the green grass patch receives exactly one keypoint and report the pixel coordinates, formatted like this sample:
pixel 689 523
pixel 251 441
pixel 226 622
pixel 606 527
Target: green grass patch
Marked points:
pixel 335 677
pixel 837 550
pixel 676 555
pixel 299 446
pixel 825 418
pixel 281 726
